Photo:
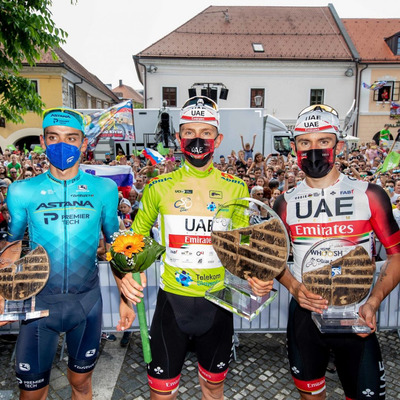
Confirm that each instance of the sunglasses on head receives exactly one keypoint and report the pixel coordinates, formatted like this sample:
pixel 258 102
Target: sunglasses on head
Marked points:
pixel 200 101
pixel 76 114
pixel 319 107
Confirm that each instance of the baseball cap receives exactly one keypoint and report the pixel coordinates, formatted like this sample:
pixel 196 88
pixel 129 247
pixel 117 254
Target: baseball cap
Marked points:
pixel 125 201
pixel 318 118
pixel 63 117
pixel 3 183
pixel 200 109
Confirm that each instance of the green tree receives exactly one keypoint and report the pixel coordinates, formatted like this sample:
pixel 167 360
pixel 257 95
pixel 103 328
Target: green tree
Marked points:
pixel 27 31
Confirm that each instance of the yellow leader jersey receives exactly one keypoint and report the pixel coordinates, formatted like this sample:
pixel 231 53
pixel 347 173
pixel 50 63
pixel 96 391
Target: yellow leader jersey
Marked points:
pixel 187 200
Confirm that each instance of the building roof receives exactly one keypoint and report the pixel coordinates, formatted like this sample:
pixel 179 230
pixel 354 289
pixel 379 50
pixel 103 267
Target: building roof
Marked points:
pixel 302 33
pixel 368 35
pixel 126 92
pixel 69 63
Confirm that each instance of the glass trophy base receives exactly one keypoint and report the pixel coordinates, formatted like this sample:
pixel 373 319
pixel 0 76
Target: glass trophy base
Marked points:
pixel 21 310
pixel 239 301
pixel 337 322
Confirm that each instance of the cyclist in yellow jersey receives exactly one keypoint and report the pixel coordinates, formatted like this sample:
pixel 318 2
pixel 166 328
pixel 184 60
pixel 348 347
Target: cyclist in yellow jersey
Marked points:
pixel 187 200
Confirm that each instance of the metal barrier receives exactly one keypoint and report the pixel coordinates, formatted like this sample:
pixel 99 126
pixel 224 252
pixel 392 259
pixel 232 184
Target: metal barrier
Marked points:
pixel 272 319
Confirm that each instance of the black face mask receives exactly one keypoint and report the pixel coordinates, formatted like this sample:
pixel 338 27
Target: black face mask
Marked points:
pixel 316 163
pixel 197 151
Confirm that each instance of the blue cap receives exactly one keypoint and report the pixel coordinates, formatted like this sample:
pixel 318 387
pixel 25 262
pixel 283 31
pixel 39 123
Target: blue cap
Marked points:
pixel 63 117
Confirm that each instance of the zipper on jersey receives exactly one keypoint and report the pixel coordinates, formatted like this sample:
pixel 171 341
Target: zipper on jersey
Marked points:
pixel 65 280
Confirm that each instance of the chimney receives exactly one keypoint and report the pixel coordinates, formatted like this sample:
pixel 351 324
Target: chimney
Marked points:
pixel 120 82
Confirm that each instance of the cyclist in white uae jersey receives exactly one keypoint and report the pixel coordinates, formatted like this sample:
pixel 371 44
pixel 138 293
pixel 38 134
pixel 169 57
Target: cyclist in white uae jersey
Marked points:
pixel 187 200
pixel 328 204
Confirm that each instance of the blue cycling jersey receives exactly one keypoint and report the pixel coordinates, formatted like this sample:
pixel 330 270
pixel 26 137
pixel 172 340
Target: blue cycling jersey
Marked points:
pixel 65 217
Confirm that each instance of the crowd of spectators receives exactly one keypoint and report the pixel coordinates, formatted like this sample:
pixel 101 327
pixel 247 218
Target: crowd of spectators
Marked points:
pixel 267 176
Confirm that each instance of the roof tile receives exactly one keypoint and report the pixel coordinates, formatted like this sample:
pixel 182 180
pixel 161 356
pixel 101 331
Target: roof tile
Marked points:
pixel 368 35
pixel 284 32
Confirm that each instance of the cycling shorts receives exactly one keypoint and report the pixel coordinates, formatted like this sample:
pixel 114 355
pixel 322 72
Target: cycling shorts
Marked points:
pixel 79 316
pixel 358 360
pixel 181 324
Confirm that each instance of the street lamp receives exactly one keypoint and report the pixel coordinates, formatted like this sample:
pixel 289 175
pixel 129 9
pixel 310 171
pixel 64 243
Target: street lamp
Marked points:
pixel 349 72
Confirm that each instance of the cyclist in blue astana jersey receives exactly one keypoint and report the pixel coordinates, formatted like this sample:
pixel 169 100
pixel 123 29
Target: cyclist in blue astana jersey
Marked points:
pixel 65 209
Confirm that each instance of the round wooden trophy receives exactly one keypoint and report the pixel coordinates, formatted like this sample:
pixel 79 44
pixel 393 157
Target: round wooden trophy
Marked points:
pixel 24 270
pixel 341 272
pixel 250 241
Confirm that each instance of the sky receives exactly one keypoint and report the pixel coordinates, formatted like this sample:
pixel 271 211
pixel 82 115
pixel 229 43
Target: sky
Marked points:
pixel 103 35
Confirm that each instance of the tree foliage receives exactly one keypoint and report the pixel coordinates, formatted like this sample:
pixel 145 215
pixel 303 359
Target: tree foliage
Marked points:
pixel 27 31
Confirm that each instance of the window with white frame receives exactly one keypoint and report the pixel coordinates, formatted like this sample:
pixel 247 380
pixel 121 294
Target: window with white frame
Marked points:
pixel 390 91
pixel 316 96
pixel 257 98
pixel 71 96
pixel 35 82
pixel 169 94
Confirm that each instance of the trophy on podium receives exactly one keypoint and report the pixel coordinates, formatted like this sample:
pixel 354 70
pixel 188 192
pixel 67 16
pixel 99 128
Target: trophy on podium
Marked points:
pixel 342 272
pixel 24 270
pixel 250 241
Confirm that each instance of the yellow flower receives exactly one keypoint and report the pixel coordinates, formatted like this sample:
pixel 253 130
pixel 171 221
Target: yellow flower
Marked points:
pixel 108 256
pixel 128 244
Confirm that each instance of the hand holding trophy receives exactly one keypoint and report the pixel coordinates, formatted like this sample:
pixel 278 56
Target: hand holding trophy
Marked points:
pixel 342 273
pixel 24 270
pixel 251 241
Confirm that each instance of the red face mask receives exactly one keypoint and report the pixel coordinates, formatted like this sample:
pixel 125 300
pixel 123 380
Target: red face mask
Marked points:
pixel 197 151
pixel 316 163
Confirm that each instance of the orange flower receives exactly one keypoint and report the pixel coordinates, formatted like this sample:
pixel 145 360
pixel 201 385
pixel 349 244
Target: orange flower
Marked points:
pixel 128 244
pixel 108 256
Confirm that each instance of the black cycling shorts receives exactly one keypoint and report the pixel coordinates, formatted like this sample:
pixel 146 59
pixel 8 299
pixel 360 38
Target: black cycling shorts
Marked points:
pixel 358 360
pixel 183 323
pixel 79 315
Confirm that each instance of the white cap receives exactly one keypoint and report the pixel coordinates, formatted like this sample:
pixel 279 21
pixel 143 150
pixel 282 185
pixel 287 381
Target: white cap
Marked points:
pixel 125 201
pixel 200 109
pixel 317 119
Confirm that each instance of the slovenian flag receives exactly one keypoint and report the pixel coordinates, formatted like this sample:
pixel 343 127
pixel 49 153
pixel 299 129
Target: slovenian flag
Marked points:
pixel 122 175
pixel 154 156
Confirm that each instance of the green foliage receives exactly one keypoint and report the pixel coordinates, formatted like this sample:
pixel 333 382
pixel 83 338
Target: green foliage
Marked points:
pixel 26 32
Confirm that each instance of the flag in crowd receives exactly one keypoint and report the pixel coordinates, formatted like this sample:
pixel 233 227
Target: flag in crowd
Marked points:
pixel 122 175
pixel 38 149
pixel 154 156
pixel 391 161
pixel 162 150
pixel 115 122
pixel 375 85
pixel 394 110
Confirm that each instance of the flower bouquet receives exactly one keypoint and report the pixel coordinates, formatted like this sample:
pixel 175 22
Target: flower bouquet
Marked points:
pixel 131 252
